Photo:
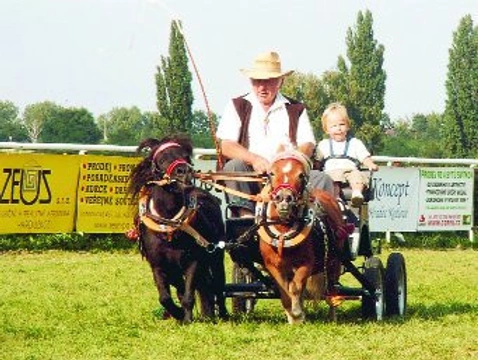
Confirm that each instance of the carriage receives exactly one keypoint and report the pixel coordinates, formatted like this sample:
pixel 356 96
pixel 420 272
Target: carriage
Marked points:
pixel 381 288
pixel 296 247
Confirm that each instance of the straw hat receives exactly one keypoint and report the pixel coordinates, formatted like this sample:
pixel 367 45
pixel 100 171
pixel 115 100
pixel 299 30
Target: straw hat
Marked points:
pixel 266 66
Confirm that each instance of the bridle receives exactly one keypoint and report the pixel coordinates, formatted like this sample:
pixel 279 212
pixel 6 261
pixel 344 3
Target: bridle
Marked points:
pixel 179 172
pixel 293 206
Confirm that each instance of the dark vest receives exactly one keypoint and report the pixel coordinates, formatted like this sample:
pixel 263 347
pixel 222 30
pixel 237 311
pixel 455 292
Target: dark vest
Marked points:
pixel 244 110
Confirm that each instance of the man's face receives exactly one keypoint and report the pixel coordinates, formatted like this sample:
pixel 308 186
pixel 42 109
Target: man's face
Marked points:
pixel 266 90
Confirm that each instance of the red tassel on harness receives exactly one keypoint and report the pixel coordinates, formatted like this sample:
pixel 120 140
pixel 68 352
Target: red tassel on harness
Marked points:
pixel 132 234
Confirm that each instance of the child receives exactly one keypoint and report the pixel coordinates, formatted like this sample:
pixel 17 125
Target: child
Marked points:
pixel 342 154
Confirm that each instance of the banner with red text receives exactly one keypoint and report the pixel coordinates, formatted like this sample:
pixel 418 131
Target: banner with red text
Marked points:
pixel 103 205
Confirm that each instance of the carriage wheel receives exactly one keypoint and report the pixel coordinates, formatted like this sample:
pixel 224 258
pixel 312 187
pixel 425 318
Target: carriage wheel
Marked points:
pixel 396 285
pixel 242 305
pixel 373 307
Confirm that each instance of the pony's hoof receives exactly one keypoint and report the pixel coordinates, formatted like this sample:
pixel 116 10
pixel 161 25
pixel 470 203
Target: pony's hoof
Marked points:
pixel 294 320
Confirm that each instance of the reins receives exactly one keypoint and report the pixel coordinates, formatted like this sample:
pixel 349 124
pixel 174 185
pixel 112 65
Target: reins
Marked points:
pixel 211 179
pixel 180 222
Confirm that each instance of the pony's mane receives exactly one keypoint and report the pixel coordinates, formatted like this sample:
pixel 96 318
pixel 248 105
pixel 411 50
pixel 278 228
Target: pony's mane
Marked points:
pixel 296 155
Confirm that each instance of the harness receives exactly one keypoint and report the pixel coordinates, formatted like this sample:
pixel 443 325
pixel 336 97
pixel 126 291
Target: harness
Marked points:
pixel 297 233
pixel 344 155
pixel 307 210
pixel 182 221
pixel 185 217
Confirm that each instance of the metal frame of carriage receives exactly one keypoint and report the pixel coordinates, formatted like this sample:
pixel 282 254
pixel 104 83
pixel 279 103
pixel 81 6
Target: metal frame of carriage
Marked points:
pixel 382 289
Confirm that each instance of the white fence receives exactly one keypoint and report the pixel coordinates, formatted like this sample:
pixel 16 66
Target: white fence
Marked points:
pixel 200 153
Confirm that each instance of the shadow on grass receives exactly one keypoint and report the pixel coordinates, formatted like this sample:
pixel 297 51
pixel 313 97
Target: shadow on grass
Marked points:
pixel 351 313
pixel 438 311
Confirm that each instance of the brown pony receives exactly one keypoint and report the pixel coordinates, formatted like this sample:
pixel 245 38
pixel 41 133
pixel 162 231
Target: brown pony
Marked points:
pixel 180 227
pixel 297 235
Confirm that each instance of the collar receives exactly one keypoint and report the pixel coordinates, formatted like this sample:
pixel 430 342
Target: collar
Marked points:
pixel 279 102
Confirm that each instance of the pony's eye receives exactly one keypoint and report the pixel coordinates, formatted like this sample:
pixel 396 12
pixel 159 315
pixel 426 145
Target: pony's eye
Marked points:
pixel 289 198
pixel 277 197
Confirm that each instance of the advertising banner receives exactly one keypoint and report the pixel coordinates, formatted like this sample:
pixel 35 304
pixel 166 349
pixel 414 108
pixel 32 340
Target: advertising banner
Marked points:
pixel 103 205
pixel 50 193
pixel 446 201
pixel 38 193
pixel 395 200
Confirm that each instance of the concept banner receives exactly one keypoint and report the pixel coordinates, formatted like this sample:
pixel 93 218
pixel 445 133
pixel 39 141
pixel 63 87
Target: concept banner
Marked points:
pixel 395 200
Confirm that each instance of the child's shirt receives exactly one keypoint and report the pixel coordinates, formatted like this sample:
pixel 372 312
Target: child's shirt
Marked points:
pixel 339 157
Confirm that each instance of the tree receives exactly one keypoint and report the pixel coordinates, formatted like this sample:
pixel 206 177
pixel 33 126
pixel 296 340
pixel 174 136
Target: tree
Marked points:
pixel 10 127
pixel 364 81
pixel 312 91
pixel 460 132
pixel 70 125
pixel 173 83
pixel 201 129
pixel 123 126
pixel 419 137
pixel 34 118
pixel 360 86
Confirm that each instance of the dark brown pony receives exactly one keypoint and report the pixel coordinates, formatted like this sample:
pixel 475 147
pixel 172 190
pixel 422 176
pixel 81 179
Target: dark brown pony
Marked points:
pixel 297 234
pixel 180 228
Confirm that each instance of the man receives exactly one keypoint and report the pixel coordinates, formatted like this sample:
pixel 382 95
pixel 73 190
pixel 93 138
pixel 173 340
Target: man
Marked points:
pixel 256 126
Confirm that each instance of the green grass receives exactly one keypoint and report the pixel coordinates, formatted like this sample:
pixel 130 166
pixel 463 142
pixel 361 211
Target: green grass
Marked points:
pixel 70 305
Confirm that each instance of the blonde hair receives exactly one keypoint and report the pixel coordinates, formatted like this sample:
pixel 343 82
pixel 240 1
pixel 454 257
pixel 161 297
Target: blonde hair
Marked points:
pixel 335 107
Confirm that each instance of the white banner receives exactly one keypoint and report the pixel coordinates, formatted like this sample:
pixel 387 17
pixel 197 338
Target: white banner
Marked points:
pixel 394 204
pixel 446 201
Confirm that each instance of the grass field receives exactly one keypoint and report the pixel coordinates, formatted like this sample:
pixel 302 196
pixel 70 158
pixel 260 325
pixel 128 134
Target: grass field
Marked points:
pixel 70 305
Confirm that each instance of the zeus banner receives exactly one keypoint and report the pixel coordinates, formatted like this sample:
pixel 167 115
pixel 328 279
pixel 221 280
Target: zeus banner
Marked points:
pixel 38 193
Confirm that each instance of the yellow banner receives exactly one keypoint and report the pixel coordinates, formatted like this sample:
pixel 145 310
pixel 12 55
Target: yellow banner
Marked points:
pixel 38 193
pixel 103 206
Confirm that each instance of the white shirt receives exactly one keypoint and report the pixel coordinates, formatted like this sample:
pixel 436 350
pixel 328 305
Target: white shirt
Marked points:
pixel 356 150
pixel 267 130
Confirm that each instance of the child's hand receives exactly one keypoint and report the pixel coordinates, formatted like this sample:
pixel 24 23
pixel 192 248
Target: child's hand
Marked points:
pixel 368 162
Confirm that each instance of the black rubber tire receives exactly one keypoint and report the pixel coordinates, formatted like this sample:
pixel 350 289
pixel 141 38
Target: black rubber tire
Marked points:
pixel 373 307
pixel 396 285
pixel 242 305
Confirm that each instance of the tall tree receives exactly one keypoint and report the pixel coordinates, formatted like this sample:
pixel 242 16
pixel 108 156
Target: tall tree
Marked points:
pixel 364 80
pixel 173 83
pixel 460 130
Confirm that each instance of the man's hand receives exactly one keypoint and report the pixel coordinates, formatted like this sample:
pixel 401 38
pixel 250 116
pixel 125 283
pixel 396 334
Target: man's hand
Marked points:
pixel 260 164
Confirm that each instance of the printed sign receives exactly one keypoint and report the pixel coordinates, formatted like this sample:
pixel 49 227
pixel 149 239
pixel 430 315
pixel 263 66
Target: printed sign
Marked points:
pixel 394 204
pixel 446 201
pixel 103 205
pixel 38 193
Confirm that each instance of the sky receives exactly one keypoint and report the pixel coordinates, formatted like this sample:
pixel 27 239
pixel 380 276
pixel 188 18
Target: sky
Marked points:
pixel 101 54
